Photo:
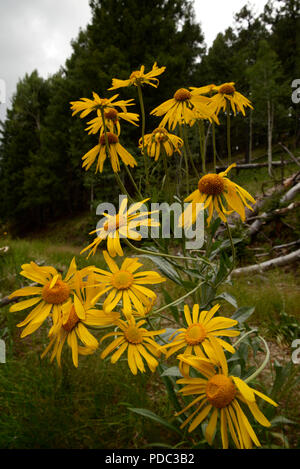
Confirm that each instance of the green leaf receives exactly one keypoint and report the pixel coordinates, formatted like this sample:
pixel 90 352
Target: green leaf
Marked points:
pixel 243 313
pixel 172 371
pixel 165 267
pixel 229 298
pixel 151 415
pixel 224 246
pixel 280 419
pixel 173 309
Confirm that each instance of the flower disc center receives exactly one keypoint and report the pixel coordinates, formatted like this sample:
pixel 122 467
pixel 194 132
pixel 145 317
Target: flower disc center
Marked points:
pixel 195 334
pixel 211 184
pixel 182 95
pixel 220 391
pixel 111 114
pixel 122 280
pixel 227 89
pixel 160 134
pixel 71 321
pixel 133 335
pixel 111 138
pixel 59 293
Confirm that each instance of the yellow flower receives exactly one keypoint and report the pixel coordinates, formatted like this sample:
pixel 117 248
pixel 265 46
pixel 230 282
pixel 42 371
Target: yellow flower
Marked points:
pixel 223 396
pixel 181 108
pixel 76 314
pixel 161 138
pixel 214 191
pixel 126 285
pixel 50 296
pixel 122 225
pixel 201 336
pixel 137 341
pixel 115 150
pixel 142 313
pixel 138 77
pixel 207 89
pixel 112 118
pixel 85 106
pixel 227 93
pixel 204 90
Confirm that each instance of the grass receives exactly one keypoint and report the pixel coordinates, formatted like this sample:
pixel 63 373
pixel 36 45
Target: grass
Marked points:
pixel 43 406
pixel 272 294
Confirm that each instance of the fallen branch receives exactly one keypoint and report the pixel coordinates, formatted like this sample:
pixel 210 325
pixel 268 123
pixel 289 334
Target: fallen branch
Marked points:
pixel 277 262
pixel 288 182
pixel 280 246
pixel 289 195
pixel 257 165
pixel 7 300
pixel 295 160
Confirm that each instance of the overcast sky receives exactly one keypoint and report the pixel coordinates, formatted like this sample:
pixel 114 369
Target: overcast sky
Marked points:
pixel 36 34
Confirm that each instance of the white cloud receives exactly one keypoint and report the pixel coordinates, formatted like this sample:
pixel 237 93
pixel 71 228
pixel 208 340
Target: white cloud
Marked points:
pixel 217 15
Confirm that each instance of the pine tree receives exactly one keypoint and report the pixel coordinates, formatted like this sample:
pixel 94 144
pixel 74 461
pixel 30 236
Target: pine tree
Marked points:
pixel 20 140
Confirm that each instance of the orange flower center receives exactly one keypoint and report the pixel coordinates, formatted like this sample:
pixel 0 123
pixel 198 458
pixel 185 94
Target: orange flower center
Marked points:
pixel 160 134
pixel 56 295
pixel 111 138
pixel 227 89
pixel 134 335
pixel 114 223
pixel 72 320
pixel 220 391
pixel 122 280
pixel 182 95
pixel 211 184
pixel 195 334
pixel 111 114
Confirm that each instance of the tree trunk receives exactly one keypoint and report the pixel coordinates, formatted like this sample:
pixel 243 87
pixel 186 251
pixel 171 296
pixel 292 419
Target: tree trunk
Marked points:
pixel 250 137
pixel 92 197
pixel 269 106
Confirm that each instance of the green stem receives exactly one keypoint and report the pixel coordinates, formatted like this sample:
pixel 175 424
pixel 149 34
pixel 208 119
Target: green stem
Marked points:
pixel 162 254
pixel 186 162
pixel 186 142
pixel 179 300
pixel 134 183
pixel 170 390
pixel 228 132
pixel 244 336
pixel 214 146
pixel 123 188
pixel 165 162
pixel 202 143
pixel 232 246
pixel 140 95
pixel 264 363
